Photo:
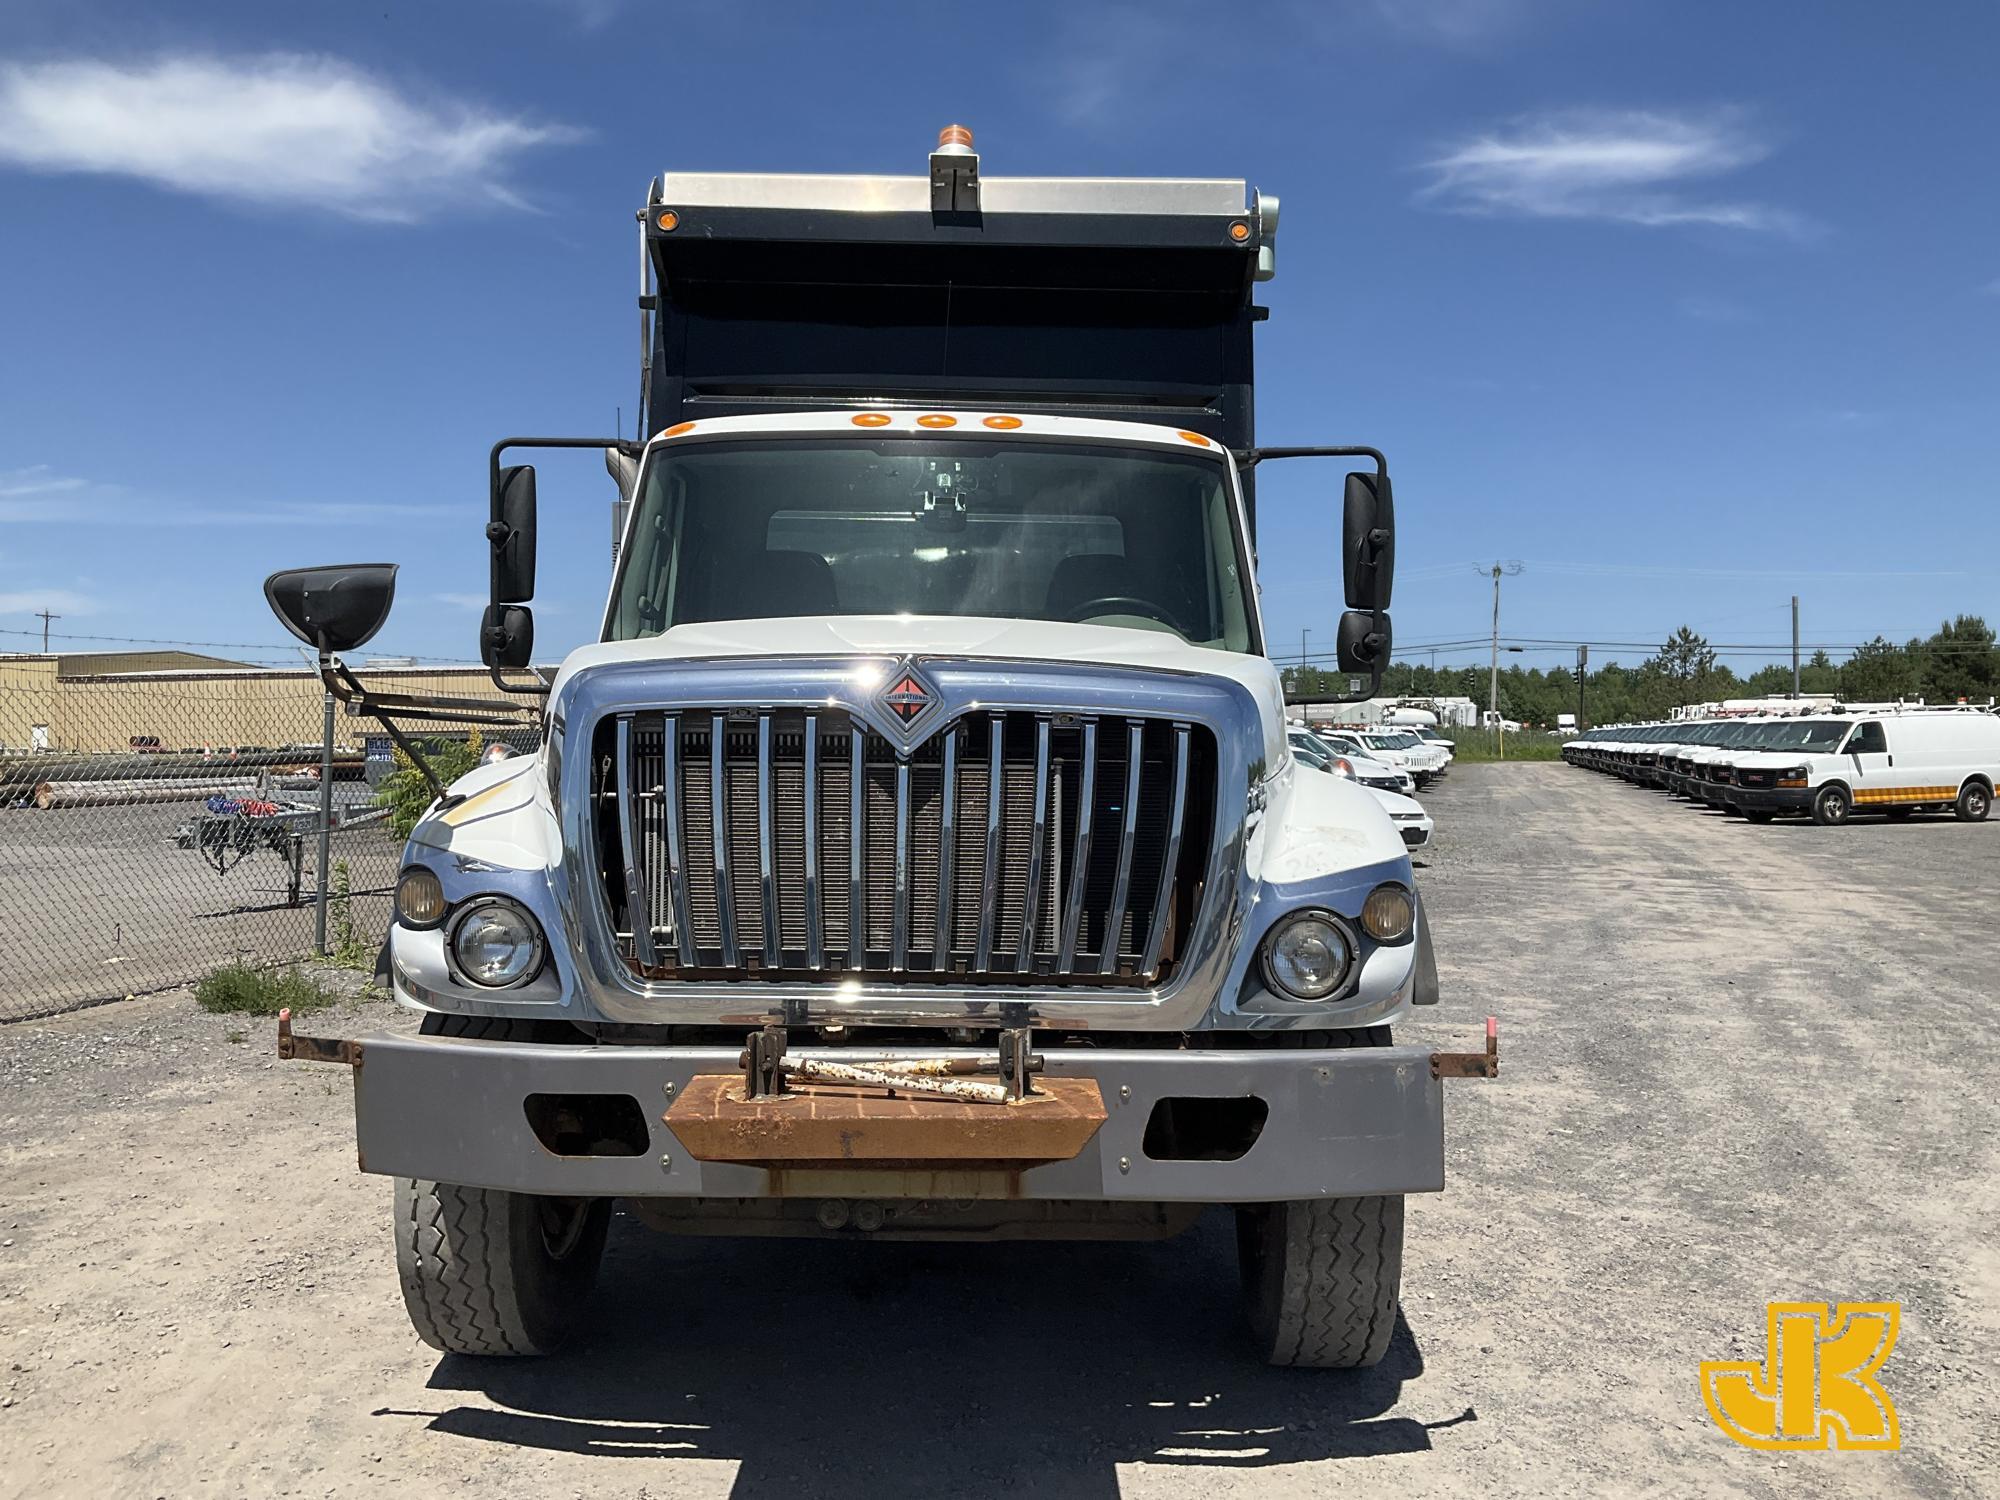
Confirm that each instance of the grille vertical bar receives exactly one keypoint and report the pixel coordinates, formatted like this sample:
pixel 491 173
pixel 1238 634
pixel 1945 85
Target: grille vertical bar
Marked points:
pixel 767 847
pixel 857 847
pixel 899 933
pixel 1079 865
pixel 947 850
pixel 670 787
pixel 1128 838
pixel 718 795
pixel 815 941
pixel 996 778
pixel 1031 908
pixel 1156 930
pixel 638 909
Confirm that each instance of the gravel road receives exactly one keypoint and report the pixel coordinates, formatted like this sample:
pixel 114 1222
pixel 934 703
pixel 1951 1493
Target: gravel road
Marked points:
pixel 1741 1064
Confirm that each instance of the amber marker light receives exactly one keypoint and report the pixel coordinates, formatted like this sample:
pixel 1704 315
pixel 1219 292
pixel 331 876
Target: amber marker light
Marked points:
pixel 1239 231
pixel 1193 437
pixel 677 429
pixel 669 221
pixel 872 419
pixel 1004 424
pixel 936 419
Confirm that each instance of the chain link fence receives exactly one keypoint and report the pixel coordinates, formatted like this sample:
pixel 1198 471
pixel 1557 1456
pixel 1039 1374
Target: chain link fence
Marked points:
pixel 153 827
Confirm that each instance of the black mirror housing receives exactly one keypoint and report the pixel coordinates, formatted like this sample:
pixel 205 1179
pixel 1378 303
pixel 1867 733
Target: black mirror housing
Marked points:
pixel 512 533
pixel 1363 647
pixel 1368 541
pixel 507 637
pixel 334 608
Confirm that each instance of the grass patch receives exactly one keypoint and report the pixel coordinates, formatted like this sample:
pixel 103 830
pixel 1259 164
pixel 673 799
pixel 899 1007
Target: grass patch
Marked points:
pixel 1521 744
pixel 238 989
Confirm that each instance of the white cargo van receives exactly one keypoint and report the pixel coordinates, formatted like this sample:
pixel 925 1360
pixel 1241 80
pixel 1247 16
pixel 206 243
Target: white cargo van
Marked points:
pixel 1894 763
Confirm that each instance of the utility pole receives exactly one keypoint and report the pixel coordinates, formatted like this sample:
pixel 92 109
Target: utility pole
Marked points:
pixel 1303 633
pixel 1582 666
pixel 44 616
pixel 1795 645
pixel 1493 691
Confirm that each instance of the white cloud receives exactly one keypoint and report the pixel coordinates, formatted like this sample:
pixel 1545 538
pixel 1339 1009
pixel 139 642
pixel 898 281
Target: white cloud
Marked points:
pixel 36 479
pixel 463 601
pixel 1704 308
pixel 281 129
pixel 1630 166
pixel 1453 22
pixel 58 601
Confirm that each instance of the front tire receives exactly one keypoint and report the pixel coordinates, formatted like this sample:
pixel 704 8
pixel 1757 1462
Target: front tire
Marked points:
pixel 487 1272
pixel 1974 803
pixel 1831 807
pixel 1321 1278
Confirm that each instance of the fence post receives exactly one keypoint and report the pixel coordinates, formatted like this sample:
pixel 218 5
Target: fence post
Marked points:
pixel 325 820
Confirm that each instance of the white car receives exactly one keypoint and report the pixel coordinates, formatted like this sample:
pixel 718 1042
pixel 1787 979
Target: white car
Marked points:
pixel 1375 774
pixel 1405 751
pixel 1412 822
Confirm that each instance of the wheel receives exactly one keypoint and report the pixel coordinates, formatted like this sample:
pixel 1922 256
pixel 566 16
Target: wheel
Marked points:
pixel 1975 801
pixel 1759 814
pixel 490 1272
pixel 1320 1278
pixel 1831 807
pixel 1321 1275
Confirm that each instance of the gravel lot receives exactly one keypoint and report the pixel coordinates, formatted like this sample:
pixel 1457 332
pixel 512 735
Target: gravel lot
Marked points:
pixel 1741 1064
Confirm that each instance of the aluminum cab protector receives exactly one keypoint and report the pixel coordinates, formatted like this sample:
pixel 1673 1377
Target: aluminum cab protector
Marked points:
pixel 919 850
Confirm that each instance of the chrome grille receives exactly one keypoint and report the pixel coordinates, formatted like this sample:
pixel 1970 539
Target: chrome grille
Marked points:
pixel 1007 846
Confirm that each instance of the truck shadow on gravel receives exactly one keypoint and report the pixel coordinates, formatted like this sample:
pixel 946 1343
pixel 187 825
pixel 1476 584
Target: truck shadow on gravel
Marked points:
pixel 837 1369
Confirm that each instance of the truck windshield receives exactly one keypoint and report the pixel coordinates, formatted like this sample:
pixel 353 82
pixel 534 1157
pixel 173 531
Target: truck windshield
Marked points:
pixel 1113 535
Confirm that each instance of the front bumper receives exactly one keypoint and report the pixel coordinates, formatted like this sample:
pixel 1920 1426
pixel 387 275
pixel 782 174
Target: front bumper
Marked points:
pixel 1341 1122
pixel 1770 799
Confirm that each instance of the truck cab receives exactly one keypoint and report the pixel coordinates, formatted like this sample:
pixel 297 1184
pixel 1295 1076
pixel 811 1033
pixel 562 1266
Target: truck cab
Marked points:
pixel 918 852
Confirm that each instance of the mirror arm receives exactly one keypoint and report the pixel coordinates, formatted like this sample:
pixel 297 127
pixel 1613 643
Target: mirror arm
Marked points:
pixel 1249 458
pixel 472 712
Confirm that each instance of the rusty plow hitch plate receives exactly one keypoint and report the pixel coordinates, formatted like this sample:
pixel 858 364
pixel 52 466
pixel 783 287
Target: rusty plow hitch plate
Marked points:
pixel 293 1048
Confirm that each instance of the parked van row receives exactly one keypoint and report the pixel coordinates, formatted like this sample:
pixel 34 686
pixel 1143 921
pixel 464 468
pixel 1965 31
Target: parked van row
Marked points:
pixel 1825 765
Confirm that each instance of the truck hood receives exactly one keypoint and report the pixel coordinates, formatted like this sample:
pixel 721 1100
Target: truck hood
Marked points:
pixel 932 636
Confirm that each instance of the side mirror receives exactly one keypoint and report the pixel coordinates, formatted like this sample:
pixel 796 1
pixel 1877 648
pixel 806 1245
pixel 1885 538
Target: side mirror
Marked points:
pixel 333 609
pixel 506 636
pixel 1368 541
pixel 512 533
pixel 1363 647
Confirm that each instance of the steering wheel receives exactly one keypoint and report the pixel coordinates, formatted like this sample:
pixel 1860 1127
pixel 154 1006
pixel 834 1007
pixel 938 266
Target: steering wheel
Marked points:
pixel 1126 604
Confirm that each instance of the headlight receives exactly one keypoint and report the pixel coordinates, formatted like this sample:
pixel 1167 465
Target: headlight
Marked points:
pixel 497 943
pixel 1388 914
pixel 1796 776
pixel 1308 955
pixel 419 898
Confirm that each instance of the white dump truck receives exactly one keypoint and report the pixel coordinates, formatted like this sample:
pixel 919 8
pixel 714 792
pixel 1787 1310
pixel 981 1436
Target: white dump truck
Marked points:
pixel 917 852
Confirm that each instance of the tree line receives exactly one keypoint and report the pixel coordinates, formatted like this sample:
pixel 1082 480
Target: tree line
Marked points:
pixel 1959 660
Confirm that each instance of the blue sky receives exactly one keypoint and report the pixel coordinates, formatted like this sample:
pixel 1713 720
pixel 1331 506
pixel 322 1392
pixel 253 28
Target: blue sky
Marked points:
pixel 1689 307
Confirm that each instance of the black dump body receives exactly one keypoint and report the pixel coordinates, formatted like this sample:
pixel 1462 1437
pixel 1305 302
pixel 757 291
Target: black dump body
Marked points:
pixel 1139 315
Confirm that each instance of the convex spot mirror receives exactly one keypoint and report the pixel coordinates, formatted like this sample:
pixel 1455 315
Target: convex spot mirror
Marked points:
pixel 506 636
pixel 334 608
pixel 512 533
pixel 1363 646
pixel 1368 541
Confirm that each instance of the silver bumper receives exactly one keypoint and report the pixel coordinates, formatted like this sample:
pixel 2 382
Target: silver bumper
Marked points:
pixel 1341 1122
